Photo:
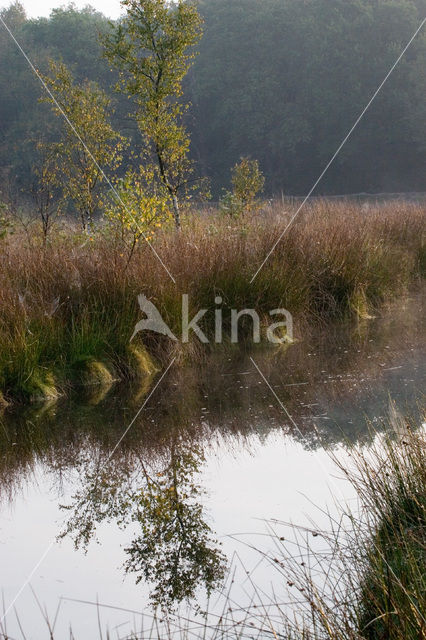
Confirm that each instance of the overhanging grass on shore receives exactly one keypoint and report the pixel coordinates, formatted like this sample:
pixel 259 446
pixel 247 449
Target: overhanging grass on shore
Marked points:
pixel 74 302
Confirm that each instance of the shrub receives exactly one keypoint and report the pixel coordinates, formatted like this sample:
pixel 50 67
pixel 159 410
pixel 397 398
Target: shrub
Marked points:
pixel 247 182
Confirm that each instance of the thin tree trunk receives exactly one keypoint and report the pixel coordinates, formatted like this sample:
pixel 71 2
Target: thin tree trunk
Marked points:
pixel 176 212
pixel 175 202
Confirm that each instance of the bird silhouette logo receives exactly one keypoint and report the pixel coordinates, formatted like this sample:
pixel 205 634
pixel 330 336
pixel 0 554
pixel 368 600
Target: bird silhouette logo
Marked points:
pixel 153 320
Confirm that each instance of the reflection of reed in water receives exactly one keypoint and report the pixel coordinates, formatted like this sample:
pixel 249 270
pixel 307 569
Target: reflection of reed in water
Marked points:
pixel 341 373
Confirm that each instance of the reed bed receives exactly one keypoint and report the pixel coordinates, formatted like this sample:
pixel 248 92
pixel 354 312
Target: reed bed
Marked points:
pixel 68 307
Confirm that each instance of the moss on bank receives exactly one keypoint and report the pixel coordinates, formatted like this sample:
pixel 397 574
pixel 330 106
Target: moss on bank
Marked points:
pixel 88 372
pixel 141 363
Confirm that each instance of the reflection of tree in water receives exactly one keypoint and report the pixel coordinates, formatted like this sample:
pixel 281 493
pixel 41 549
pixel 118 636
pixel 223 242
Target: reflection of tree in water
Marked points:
pixel 335 374
pixel 175 550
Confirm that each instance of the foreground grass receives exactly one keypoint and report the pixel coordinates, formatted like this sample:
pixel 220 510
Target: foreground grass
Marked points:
pixel 376 586
pixel 69 308
pixel 361 579
pixel 393 588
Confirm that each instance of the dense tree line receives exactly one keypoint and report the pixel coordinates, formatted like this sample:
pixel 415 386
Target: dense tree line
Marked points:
pixel 284 80
pixel 281 81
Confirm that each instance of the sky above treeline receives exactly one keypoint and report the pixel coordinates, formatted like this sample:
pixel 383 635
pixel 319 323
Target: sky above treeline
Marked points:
pixel 36 8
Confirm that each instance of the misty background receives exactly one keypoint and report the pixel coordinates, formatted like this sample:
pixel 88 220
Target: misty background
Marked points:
pixel 280 81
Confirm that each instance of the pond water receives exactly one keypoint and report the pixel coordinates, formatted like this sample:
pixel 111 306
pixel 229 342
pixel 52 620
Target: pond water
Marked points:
pixel 97 528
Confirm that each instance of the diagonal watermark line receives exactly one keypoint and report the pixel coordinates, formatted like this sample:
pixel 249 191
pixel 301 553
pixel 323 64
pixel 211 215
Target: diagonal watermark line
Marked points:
pixel 276 397
pixel 342 144
pixel 51 544
pixel 36 566
pixel 90 154
pixel 141 409
pixel 70 124
pixel 327 474
pixel 283 407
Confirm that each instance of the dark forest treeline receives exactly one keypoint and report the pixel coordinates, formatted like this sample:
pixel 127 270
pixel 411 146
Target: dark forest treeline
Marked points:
pixel 278 80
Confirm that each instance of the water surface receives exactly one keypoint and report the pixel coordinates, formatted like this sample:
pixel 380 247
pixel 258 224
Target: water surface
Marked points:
pixel 186 495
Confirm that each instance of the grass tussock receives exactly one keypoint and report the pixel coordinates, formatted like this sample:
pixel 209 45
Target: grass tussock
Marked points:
pixel 393 587
pixel 372 583
pixel 75 299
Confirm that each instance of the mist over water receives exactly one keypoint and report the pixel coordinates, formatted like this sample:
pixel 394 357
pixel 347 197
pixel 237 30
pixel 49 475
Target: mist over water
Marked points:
pixel 210 460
